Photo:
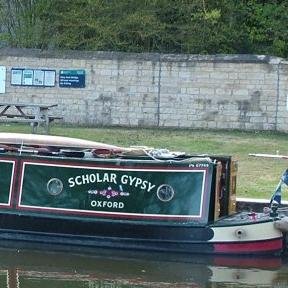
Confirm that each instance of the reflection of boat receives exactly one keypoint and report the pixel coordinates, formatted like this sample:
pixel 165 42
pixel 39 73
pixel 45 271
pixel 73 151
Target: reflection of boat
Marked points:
pixel 66 191
pixel 110 269
pixel 253 277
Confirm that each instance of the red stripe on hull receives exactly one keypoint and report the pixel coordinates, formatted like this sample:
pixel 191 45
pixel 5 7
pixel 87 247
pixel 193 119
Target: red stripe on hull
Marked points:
pixel 250 247
pixel 245 262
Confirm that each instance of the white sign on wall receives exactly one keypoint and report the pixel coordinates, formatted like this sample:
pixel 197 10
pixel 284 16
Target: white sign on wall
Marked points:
pixel 38 78
pixel 49 78
pixel 2 79
pixel 27 77
pixel 33 77
pixel 16 76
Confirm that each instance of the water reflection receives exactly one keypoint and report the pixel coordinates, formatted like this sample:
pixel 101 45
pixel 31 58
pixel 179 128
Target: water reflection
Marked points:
pixel 119 269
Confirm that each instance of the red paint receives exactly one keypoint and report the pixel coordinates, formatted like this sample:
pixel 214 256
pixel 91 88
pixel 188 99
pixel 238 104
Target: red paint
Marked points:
pixel 17 195
pixel 255 262
pixel 249 247
pixel 14 193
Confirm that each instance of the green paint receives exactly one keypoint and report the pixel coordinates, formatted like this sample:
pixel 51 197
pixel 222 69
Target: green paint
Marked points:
pixel 72 72
pixel 6 169
pixel 3 278
pixel 118 191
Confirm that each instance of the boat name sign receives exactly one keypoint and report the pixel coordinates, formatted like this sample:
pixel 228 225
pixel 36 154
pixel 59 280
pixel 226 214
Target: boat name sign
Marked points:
pixel 111 178
pixel 132 190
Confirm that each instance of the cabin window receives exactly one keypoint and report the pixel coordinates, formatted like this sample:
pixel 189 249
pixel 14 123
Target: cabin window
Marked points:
pixel 165 193
pixel 54 186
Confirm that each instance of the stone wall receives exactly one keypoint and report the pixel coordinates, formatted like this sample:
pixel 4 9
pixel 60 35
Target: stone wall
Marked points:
pixel 159 90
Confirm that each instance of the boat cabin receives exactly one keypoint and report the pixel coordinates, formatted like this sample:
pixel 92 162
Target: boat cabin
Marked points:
pixel 99 181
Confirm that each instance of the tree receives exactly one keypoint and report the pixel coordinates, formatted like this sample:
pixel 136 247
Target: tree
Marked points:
pixel 166 26
pixel 266 23
pixel 20 23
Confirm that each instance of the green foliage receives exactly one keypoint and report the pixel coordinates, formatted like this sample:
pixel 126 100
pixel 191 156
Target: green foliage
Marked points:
pixel 167 26
pixel 21 27
pixel 267 26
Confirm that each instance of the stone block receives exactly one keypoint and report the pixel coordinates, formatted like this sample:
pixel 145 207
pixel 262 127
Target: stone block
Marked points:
pixel 207 91
pixel 240 92
pixel 218 75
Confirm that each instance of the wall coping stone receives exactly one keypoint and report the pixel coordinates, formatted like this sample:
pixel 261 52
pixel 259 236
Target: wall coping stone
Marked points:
pixel 154 57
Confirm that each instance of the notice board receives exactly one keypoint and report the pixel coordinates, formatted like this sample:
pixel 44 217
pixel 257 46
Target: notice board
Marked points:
pixel 33 77
pixel 2 79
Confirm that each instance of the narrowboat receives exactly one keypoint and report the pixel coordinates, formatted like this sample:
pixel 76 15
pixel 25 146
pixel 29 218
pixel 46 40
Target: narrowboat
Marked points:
pixel 66 191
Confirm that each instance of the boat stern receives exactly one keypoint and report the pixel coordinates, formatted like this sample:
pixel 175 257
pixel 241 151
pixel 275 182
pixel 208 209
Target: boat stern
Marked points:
pixel 247 234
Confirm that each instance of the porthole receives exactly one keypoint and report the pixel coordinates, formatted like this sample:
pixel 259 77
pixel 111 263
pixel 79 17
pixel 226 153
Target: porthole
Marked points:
pixel 240 233
pixel 165 193
pixel 54 186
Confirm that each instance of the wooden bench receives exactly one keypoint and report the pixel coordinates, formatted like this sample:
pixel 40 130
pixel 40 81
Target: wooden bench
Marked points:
pixel 52 118
pixel 33 113
pixel 45 122
pixel 35 123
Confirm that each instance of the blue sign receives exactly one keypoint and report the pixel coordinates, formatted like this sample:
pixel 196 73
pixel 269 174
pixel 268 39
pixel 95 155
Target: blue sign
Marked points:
pixel 72 78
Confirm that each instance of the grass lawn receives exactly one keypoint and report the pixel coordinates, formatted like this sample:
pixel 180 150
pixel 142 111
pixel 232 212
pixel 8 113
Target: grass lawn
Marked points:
pixel 257 177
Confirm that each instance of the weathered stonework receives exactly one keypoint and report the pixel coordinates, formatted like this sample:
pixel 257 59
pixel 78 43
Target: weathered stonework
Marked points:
pixel 160 90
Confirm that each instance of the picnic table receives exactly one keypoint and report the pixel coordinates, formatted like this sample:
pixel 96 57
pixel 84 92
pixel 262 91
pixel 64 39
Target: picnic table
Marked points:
pixel 33 113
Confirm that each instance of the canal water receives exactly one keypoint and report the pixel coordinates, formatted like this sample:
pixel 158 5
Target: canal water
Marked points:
pixel 30 268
